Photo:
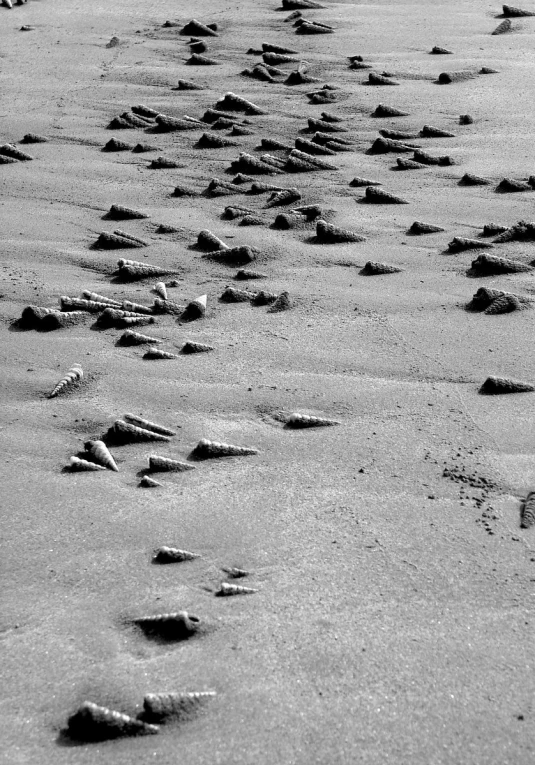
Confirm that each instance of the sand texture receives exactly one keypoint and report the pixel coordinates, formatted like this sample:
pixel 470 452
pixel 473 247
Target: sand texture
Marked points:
pixel 283 376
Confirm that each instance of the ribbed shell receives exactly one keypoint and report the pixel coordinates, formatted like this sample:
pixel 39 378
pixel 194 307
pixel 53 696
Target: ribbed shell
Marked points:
pixel 206 449
pixel 136 338
pixel 226 589
pixel 375 195
pixel 192 347
pixel 498 385
pixel 101 454
pixel 173 626
pixel 74 375
pixel 161 706
pixel 96 723
pixel 148 425
pixel 173 555
pixel 155 354
pixel 330 234
pixel 76 464
pixel 297 420
pixel 124 432
pixel 159 464
pixel 528 511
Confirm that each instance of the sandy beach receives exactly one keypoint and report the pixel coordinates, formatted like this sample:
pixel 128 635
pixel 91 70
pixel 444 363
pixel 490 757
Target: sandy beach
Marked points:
pixel 391 568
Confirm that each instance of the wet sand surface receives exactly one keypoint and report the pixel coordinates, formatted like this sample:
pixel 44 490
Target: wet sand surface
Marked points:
pixel 393 621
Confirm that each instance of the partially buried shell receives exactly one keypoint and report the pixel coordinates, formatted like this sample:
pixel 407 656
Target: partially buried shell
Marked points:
pixel 149 425
pixel 161 290
pixel 172 626
pixel 136 338
pixel 74 375
pixel 148 483
pixel 192 347
pixel 160 706
pixel 206 449
pixel 497 385
pixel 123 432
pixel 80 465
pixel 166 465
pixel 157 353
pixel 173 555
pixel 297 420
pixel 528 511
pixel 101 454
pixel 95 723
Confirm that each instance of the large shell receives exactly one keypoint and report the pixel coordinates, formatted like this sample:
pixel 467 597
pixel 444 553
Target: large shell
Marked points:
pixel 192 347
pixel 233 102
pixel 196 309
pixel 101 454
pixel 124 432
pixel 173 555
pixel 94 296
pixel 136 338
pixel 148 425
pixel 377 196
pixel 330 234
pixel 160 706
pixel 157 353
pixel 159 464
pixel 497 385
pixel 95 723
pixel 74 375
pixel 130 307
pixel 161 290
pixel 206 449
pixel 210 242
pixel 173 626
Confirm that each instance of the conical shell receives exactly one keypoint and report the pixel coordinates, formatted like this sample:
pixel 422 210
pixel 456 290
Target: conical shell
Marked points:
pixel 96 298
pixel 428 159
pixel 504 304
pixel 145 111
pixel 388 111
pixel 385 145
pixel 206 449
pixel 118 212
pixel 373 268
pixel 197 29
pixel 196 309
pixel 497 385
pixel 124 432
pixel 283 197
pixel 74 375
pixel 511 11
pixel 101 454
pixel 379 79
pixel 112 241
pixel 197 59
pixel 95 723
pixel 8 150
pixel 297 420
pixel 233 102
pixel 491 264
pixel 127 305
pixel 161 706
pixel 79 465
pixel 419 228
pixel 148 425
pixel 528 511
pixel 156 353
pixel 234 589
pixel 438 51
pixel 233 295
pixel 469 179
pixel 460 243
pixel 59 320
pixel 282 303
pixel 173 555
pixel 80 304
pixel 296 154
pixel 330 234
pixel 428 131
pixel 160 289
pixel 375 195
pixel 358 182
pixel 210 242
pixel 173 626
pixel 148 483
pixel 114 144
pixel 244 273
pixel 114 317
pixel 192 347
pixel 502 28
pixel 408 164
pixel 159 464
pixel 235 573
pixel 136 338
pixel 510 185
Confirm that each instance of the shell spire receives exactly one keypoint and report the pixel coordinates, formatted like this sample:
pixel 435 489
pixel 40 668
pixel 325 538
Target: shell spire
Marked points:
pixel 173 555
pixel 148 483
pixel 95 723
pixel 157 353
pixel 148 425
pixel 125 432
pixel 180 625
pixel 160 706
pixel 160 289
pixel 74 375
pixel 206 449
pixel 78 465
pixel 100 452
pixel 297 420
pixel 234 589
pixel 166 465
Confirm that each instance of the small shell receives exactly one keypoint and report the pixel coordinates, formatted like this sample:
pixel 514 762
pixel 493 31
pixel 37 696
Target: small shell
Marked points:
pixel 297 420
pixel 159 706
pixel 157 353
pixel 234 589
pixel 95 297
pixel 78 465
pixel 149 425
pixel 125 432
pixel 173 555
pixel 206 449
pixel 100 452
pixel 148 483
pixel 95 723
pixel 191 347
pixel 74 375
pixel 166 465
pixel 235 573
pixel 161 290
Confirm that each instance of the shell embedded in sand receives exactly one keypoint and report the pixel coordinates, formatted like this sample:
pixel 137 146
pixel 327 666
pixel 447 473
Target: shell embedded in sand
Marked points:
pixel 527 517
pixel 61 320
pixel 101 454
pixel 148 483
pixel 235 573
pixel 297 420
pixel 125 432
pixel 283 197
pixel 282 303
pixel 197 29
pixel 179 625
pixel 159 464
pixel 206 449
pixel 233 295
pixel 428 131
pixel 418 228
pixel 210 242
pixel 9 150
pixel 73 376
pixel 264 298
pixel 502 28
pixel 148 425
pixel 126 305
pixel 311 159
pixel 469 179
pixel 96 723
pixel 226 589
pixel 95 297
pixel 173 555
pixel 373 268
pixel 330 234
pixel 114 241
pixel 119 212
pixel 498 385
pixel 377 196
pixel 233 102
pixel 158 707
pixel 379 79
pixel 245 273
pixel 31 315
pixel 460 243
pixel 192 347
pixel 160 289
pixel 385 111
pixel 429 159
pixel 492 264
pixel 76 464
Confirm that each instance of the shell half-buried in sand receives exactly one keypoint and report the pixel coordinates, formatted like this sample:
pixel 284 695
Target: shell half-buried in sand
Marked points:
pixel 226 590
pixel 95 723
pixel 78 465
pixel 206 449
pixel 176 626
pixel 173 555
pixel 141 422
pixel 297 420
pixel 73 376
pixel 159 464
pixel 159 707
pixel 101 454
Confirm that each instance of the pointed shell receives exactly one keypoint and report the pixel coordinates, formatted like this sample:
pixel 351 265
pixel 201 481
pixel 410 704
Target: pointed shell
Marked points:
pixel 157 353
pixel 148 483
pixel 95 723
pixel 149 425
pixel 234 589
pixel 74 375
pixel 206 449
pixel 173 555
pixel 159 706
pixel 166 465
pixel 125 432
pixel 100 452
pixel 161 290
pixel 528 511
pixel 172 626
pixel 297 420
pixel 79 465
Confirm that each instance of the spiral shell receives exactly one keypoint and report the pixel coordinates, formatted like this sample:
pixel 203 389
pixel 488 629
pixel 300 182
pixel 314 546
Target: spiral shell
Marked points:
pixel 79 465
pixel 528 511
pixel 126 305
pixel 100 452
pixel 297 420
pixel 166 465
pixel 496 385
pixel 235 573
pixel 174 626
pixel 124 432
pixel 149 425
pixel 74 375
pixel 161 290
pixel 191 347
pixel 148 483
pixel 206 449
pixel 173 555
pixel 226 589
pixel 157 353
pixel 80 304
pixel 196 309
pixel 95 723
pixel 136 338
pixel 94 296
pixel 160 706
